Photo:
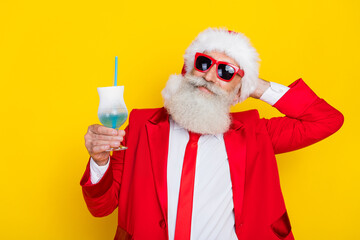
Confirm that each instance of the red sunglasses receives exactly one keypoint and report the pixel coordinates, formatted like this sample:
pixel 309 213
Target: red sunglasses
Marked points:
pixel 224 70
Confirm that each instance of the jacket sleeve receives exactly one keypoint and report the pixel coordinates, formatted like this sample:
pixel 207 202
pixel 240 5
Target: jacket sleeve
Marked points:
pixel 102 198
pixel 308 119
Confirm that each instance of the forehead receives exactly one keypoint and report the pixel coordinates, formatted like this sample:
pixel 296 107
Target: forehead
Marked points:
pixel 220 56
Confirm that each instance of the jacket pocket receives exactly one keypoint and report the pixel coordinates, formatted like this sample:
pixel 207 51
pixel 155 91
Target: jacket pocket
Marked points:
pixel 282 227
pixel 121 234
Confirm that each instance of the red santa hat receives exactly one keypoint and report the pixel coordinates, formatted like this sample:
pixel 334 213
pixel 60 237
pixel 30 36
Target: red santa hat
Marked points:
pixel 234 45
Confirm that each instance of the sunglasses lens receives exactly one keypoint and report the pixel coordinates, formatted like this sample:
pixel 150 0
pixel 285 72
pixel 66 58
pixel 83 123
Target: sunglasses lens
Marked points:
pixel 202 63
pixel 225 71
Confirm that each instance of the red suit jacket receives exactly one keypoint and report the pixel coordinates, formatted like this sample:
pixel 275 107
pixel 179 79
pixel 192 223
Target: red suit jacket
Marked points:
pixel 135 181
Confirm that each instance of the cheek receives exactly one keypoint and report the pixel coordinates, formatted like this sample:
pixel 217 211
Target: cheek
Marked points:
pixel 225 85
pixel 197 73
pixel 234 83
pixel 229 87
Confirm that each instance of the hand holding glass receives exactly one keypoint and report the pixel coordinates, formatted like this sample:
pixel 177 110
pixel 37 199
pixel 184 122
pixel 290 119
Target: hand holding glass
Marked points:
pixel 112 111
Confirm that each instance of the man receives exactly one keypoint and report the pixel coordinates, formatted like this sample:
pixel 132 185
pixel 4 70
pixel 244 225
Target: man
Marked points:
pixel 193 170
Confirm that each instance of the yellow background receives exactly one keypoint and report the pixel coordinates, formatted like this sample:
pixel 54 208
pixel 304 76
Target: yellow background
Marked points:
pixel 54 54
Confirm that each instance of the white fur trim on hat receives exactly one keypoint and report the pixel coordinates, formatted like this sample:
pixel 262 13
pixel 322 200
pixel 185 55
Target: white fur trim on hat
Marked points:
pixel 234 45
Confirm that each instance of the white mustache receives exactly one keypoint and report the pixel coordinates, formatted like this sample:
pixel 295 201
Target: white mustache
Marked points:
pixel 201 82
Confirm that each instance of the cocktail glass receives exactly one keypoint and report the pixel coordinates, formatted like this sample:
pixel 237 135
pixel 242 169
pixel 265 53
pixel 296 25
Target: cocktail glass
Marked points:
pixel 112 110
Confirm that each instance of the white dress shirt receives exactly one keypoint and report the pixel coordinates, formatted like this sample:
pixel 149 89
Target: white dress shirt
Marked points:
pixel 213 215
pixel 213 208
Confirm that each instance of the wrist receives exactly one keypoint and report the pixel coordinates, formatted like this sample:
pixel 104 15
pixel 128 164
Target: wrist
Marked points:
pixel 260 89
pixel 101 162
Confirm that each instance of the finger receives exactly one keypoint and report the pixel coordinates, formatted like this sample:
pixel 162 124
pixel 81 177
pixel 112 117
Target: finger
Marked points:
pixel 110 143
pixel 99 129
pixel 121 133
pixel 106 138
pixel 100 148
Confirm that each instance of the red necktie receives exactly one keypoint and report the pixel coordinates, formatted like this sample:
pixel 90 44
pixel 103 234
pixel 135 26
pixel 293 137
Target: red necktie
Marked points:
pixel 186 193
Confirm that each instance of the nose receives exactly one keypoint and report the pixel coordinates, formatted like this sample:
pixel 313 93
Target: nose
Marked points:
pixel 211 75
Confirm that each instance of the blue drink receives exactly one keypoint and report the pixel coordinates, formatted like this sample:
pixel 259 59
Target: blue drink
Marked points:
pixel 112 110
pixel 113 119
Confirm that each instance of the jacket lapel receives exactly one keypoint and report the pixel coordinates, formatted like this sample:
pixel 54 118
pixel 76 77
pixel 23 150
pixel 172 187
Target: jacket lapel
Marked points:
pixel 236 150
pixel 158 128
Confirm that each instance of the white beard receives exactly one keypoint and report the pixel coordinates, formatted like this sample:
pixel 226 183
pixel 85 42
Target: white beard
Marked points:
pixel 196 110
